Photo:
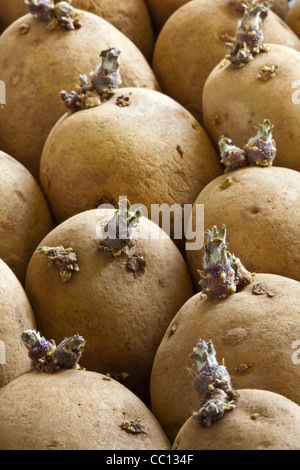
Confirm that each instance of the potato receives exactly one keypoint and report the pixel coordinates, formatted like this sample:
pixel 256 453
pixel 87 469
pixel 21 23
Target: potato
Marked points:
pixel 161 10
pixel 121 306
pixel 242 101
pixel 182 66
pixel 15 316
pixel 24 215
pixel 281 8
pixel 46 62
pixel 130 17
pixel 74 410
pixel 254 330
pixel 293 17
pixel 152 151
pixel 261 212
pixel 262 420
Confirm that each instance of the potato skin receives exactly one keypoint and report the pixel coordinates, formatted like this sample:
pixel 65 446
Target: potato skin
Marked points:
pixel 161 10
pixel 46 62
pixel 242 102
pixel 131 17
pixel 123 319
pixel 24 215
pixel 153 151
pixel 182 66
pixel 74 410
pixel 253 333
pixel 15 316
pixel 277 427
pixel 293 18
pixel 261 212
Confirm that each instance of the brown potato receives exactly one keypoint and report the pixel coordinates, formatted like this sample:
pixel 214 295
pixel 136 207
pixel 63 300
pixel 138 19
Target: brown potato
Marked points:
pixel 122 315
pixel 293 17
pixel 242 102
pixel 152 151
pixel 261 212
pixel 74 410
pixel 183 64
pixel 24 215
pixel 262 420
pixel 161 10
pixel 131 17
pixel 15 316
pixel 46 62
pixel 254 333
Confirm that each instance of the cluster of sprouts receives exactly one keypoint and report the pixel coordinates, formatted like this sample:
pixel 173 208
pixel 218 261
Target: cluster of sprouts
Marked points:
pixel 260 150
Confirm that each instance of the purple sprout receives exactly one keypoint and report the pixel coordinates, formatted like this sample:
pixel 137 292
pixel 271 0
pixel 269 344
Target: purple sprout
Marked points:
pixel 231 156
pixel 103 84
pixel 261 149
pixel 212 384
pixel 249 35
pixel 48 357
pixel 223 272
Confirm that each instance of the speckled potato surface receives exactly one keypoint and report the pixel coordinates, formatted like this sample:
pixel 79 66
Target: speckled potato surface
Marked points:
pixel 74 410
pixel 24 215
pixel 261 210
pixel 253 333
pixel 182 64
pixel 15 316
pixel 153 151
pixel 161 10
pixel 122 318
pixel 46 62
pixel 276 428
pixel 131 17
pixel 242 102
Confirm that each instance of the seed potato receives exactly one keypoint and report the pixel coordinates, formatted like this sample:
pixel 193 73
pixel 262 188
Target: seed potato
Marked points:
pixel 46 62
pixel 25 217
pixel 74 410
pixel 254 332
pixel 293 17
pixel 242 101
pixel 161 10
pixel 130 17
pixel 261 212
pixel 262 420
pixel 182 65
pixel 15 316
pixel 151 150
pixel 121 313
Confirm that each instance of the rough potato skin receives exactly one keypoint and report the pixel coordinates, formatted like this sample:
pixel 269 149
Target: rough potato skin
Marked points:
pixel 15 316
pixel 253 333
pixel 46 62
pixel 131 17
pixel 161 10
pixel 24 215
pixel 183 64
pixel 247 101
pixel 261 212
pixel 277 427
pixel 74 410
pixel 122 318
pixel 153 151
